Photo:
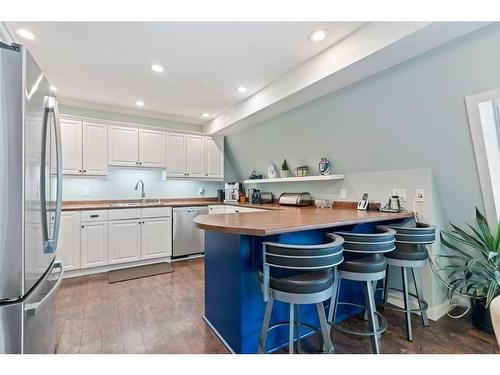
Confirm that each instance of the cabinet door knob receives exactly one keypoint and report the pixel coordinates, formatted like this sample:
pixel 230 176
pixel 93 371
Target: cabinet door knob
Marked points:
pixel 83 226
pixel 84 171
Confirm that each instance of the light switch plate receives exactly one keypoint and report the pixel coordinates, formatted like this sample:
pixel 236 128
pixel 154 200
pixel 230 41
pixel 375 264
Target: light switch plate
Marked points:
pixel 343 194
pixel 420 195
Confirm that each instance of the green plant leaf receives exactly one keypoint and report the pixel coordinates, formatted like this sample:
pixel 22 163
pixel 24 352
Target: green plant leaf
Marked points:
pixel 451 246
pixel 473 242
pixel 492 292
pixel 497 277
pixel 484 228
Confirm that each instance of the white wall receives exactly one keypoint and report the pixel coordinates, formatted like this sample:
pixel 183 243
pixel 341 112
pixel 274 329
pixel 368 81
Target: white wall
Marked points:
pixel 120 183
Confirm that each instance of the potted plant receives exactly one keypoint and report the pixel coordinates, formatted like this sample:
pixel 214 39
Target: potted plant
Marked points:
pixel 285 172
pixel 474 269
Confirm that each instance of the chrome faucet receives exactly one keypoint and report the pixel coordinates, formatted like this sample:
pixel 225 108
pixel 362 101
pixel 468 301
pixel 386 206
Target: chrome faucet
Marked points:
pixel 143 194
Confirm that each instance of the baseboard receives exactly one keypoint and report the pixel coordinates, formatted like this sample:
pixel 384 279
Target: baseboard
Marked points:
pixel 111 267
pixel 228 347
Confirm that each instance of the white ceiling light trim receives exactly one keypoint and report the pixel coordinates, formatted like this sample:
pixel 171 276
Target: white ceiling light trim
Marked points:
pixel 317 36
pixel 26 34
pixel 242 89
pixel 204 114
pixel 139 103
pixel 157 68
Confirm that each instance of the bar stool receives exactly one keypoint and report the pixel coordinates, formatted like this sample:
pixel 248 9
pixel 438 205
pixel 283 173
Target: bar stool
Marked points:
pixel 364 262
pixel 410 254
pixel 299 274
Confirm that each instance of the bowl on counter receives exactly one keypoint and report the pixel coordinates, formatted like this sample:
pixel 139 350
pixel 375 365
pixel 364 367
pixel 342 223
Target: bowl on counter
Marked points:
pixel 323 203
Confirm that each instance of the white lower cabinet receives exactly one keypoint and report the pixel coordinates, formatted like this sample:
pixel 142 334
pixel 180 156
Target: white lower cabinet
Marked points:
pixel 68 244
pixel 156 237
pixel 124 241
pixel 94 244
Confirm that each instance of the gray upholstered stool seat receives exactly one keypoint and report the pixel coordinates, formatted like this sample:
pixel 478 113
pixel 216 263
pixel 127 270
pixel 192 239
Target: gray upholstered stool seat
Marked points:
pixel 298 275
pixel 372 263
pixel 409 255
pixel 309 282
pixel 364 262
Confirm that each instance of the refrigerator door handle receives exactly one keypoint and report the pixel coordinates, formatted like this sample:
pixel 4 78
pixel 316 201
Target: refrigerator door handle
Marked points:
pixel 32 308
pixel 50 107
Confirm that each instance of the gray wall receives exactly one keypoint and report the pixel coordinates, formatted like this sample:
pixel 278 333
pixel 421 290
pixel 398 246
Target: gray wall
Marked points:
pixel 122 117
pixel 410 116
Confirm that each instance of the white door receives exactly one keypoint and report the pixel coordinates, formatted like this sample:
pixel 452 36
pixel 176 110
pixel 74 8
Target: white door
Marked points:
pixel 94 244
pixel 95 149
pixel 176 155
pixel 71 139
pixel 123 145
pixel 195 158
pixel 151 148
pixel 68 244
pixel 214 158
pixel 156 237
pixel 124 243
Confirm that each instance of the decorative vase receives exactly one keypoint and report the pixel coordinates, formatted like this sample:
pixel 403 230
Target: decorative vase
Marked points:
pixel 271 171
pixel 285 173
pixel 481 317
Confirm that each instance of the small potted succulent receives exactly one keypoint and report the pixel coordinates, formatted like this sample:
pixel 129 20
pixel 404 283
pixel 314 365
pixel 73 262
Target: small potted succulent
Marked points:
pixel 474 267
pixel 285 172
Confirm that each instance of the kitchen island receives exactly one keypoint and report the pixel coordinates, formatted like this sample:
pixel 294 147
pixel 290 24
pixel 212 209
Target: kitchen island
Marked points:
pixel 234 307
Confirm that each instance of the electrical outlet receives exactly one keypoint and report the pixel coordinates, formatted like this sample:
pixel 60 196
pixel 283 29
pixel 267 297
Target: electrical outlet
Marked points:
pixel 401 193
pixel 420 195
pixel 86 192
pixel 201 191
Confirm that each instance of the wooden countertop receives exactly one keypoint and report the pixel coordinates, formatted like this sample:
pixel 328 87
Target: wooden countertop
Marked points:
pixel 285 219
pixel 110 204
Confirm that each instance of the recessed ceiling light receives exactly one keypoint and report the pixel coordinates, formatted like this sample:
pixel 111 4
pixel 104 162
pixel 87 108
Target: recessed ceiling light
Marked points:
pixel 25 34
pixel 205 114
pixel 53 88
pixel 317 36
pixel 157 68
pixel 242 89
pixel 139 103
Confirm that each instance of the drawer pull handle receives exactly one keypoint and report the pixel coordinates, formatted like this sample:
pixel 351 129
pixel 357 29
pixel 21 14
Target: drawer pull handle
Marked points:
pixel 94 216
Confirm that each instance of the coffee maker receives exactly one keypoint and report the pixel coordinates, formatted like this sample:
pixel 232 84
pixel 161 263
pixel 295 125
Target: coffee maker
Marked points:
pixel 231 192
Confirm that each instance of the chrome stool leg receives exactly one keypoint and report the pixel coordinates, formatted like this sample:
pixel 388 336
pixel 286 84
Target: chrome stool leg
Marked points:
pixel 290 329
pixel 297 324
pixel 370 303
pixel 386 284
pixel 407 303
pixel 420 297
pixel 265 326
pixel 325 331
pixel 332 311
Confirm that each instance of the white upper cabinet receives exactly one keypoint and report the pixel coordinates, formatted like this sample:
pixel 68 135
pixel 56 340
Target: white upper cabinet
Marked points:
pixel 95 149
pixel 176 155
pixel 195 156
pixel 71 140
pixel 84 148
pixel 134 147
pixel 151 148
pixel 214 157
pixel 123 146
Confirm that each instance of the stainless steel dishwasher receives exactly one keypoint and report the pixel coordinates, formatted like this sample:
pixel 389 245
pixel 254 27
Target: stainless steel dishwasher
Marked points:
pixel 188 239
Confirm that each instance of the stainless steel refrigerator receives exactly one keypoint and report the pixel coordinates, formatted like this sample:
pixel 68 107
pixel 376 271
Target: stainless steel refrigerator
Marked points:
pixel 30 204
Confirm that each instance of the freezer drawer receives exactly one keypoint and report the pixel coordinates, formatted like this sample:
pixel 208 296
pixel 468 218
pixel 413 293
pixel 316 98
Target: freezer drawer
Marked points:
pixel 188 239
pixel 29 326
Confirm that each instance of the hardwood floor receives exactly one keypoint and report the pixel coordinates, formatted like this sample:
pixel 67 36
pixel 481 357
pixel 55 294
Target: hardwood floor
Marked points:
pixel 163 314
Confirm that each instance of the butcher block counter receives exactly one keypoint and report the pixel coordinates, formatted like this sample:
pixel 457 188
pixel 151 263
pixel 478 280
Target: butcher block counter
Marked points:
pixel 284 219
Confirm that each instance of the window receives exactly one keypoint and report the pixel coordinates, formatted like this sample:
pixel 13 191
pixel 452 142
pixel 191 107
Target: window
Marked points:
pixel 484 120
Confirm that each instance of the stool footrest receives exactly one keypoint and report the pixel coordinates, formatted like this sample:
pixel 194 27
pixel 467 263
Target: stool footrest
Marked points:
pixel 423 303
pixel 382 327
pixel 282 324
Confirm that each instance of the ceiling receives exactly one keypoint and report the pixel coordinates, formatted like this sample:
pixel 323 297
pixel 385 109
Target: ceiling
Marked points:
pixel 108 63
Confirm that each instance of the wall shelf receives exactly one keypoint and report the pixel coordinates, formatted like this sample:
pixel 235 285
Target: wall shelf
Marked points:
pixel 296 179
